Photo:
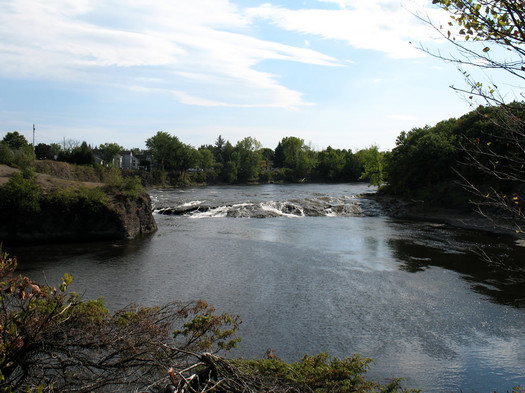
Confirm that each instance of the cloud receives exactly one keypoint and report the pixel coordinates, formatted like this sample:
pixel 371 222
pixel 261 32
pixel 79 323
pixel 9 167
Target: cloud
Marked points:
pixel 381 25
pixel 201 46
pixel 203 52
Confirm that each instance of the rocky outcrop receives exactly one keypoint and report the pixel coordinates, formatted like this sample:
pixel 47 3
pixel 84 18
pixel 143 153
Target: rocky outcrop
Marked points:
pixel 123 217
pixel 135 215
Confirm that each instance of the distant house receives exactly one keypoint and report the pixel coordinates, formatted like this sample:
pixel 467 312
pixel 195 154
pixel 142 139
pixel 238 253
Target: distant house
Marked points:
pixel 128 160
pixel 99 160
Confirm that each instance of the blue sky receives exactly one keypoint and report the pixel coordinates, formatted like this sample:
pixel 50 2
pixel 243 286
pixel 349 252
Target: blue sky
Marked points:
pixel 338 73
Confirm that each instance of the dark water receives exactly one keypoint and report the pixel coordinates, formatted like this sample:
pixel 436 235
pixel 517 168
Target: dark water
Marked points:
pixel 416 297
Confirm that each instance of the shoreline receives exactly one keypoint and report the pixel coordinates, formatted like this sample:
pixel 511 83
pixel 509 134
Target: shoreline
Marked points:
pixel 413 210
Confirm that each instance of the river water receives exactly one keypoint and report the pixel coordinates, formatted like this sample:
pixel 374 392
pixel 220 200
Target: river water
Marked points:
pixel 313 268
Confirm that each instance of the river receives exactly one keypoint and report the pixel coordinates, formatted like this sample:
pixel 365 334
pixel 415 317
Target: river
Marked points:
pixel 313 268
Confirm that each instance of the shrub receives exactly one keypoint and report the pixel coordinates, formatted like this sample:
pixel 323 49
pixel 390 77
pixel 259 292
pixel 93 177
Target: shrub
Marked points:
pixel 319 373
pixel 21 193
pixel 78 202
pixel 66 344
pixel 132 186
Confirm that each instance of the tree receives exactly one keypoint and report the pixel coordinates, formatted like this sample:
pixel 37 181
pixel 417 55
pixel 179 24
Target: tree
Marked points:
pixel 218 150
pixel 267 155
pixel 373 162
pixel 248 159
pixel 82 155
pixel 480 29
pixel 298 158
pixel 15 140
pixel 160 146
pixel 205 159
pixel 109 151
pixel 56 148
pixel 44 152
pixel 331 164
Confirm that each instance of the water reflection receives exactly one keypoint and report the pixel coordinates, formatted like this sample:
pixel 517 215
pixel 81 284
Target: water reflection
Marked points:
pixel 492 264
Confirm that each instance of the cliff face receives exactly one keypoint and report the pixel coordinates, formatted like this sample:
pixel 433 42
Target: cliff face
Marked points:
pixel 135 215
pixel 124 217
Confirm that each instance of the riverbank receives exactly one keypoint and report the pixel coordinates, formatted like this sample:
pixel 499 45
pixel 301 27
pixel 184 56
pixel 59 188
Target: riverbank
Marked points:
pixel 464 218
pixel 69 203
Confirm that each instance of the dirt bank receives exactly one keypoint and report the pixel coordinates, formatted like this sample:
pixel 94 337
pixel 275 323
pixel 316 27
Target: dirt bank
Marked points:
pixel 62 179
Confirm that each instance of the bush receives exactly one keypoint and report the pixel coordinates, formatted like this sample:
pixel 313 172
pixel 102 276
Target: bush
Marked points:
pixel 132 186
pixel 112 178
pixel 21 193
pixel 319 373
pixel 63 344
pixel 84 200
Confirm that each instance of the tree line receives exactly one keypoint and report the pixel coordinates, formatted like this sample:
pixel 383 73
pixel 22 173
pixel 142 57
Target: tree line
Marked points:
pixel 247 161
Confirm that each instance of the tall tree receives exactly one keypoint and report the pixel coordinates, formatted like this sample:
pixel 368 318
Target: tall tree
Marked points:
pixel 80 155
pixel 15 140
pixel 373 162
pixel 109 151
pixel 218 150
pixel 298 158
pixel 160 147
pixel 248 159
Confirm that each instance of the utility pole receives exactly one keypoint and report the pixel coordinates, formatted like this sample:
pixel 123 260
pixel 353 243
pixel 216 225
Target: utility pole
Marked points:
pixel 34 128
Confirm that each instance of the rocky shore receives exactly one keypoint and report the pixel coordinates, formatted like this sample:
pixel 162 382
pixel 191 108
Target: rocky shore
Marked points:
pixel 465 218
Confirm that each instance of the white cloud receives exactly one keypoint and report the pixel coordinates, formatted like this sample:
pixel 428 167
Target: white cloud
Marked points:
pixel 180 43
pixel 382 25
pixel 206 51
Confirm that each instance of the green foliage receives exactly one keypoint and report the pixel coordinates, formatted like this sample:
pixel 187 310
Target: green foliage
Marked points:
pixel 229 172
pixel 109 151
pixel 77 199
pixel 246 162
pixel 293 154
pixel 422 162
pixel 15 140
pixel 321 373
pixel 169 152
pixel 373 163
pixel 437 164
pixel 6 154
pixel 499 21
pixel 79 155
pixel 247 157
pixel 132 186
pixel 112 178
pixel 21 193
pixel 15 151
pixel 205 159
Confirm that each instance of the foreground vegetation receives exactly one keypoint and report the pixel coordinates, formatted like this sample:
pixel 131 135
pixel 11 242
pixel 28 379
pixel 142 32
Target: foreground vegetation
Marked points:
pixel 52 341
